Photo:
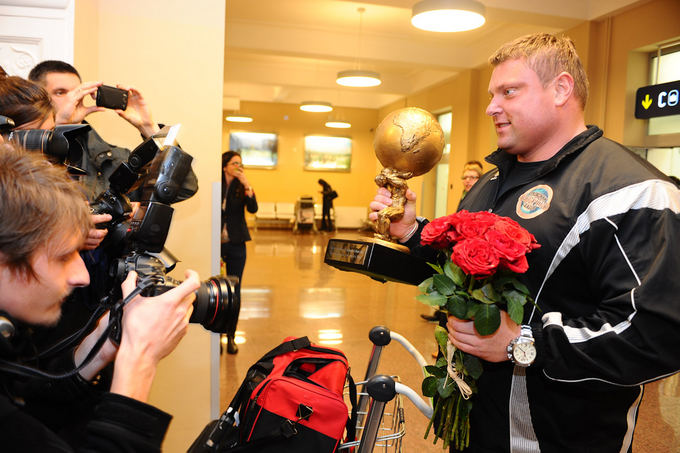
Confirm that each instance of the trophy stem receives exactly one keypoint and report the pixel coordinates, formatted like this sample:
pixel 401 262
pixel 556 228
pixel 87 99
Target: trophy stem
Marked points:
pixel 394 181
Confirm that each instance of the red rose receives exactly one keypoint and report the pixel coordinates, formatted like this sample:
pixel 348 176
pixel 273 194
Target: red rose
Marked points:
pixel 520 265
pixel 435 233
pixel 516 233
pixel 507 249
pixel 475 225
pixel 475 257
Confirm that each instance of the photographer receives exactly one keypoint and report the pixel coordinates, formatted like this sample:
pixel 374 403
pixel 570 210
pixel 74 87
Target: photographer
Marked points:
pixel 67 93
pixel 43 223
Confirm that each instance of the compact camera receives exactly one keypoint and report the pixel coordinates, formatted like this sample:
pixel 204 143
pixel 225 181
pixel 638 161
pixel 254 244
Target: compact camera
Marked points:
pixel 111 97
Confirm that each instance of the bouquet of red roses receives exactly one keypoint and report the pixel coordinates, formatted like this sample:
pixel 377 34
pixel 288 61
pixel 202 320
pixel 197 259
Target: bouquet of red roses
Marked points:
pixel 484 253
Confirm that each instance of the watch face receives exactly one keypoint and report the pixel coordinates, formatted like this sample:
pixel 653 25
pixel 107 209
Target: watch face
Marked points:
pixel 524 353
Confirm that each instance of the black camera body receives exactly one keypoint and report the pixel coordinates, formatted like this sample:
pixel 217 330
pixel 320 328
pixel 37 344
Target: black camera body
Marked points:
pixel 137 243
pixel 111 98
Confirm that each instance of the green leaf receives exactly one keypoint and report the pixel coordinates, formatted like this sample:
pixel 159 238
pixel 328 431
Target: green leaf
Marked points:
pixel 490 293
pixel 519 286
pixel 436 267
pixel 426 286
pixel 443 284
pixel 454 272
pixel 429 386
pixel 445 387
pixel 456 306
pixel 433 299
pixel 516 303
pixel 487 319
pixel 435 371
pixel 472 308
pixel 441 362
pixel 479 295
pixel 473 366
pixel 442 336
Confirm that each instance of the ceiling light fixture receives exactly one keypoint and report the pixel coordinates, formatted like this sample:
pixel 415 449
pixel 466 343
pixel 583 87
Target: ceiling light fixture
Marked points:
pixel 357 77
pixel 316 106
pixel 239 118
pixel 448 15
pixel 338 124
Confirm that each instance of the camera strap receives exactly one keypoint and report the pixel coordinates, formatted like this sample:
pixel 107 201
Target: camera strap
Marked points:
pixel 112 330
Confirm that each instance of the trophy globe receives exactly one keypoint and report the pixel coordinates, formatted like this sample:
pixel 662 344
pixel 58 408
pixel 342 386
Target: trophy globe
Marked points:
pixel 408 142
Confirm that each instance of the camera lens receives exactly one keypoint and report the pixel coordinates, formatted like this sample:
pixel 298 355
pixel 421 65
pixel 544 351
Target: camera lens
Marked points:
pixel 215 303
pixel 32 139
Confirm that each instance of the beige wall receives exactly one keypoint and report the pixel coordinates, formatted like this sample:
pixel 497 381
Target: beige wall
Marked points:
pixel 289 180
pixel 156 46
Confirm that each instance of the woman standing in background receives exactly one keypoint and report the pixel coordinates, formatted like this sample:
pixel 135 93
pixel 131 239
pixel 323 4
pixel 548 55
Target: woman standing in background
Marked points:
pixel 237 195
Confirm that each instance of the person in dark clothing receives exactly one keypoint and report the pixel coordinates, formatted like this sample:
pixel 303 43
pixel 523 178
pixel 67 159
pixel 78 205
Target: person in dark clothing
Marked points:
pixel 328 195
pixel 44 221
pixel 237 196
pixel 607 315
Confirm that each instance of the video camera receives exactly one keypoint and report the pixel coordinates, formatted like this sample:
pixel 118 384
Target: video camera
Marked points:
pixel 58 144
pixel 157 171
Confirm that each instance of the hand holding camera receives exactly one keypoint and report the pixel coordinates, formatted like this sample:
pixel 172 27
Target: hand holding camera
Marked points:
pixel 137 112
pixel 74 111
pixel 152 328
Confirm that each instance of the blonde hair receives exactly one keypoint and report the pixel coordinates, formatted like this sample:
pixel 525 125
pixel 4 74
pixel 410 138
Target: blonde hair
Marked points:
pixel 547 55
pixel 473 165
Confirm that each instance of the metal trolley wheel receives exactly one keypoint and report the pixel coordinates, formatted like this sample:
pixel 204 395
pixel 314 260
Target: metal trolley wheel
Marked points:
pixel 377 427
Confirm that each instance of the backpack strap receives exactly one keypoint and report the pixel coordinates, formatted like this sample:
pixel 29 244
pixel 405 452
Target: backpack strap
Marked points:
pixel 352 420
pixel 286 347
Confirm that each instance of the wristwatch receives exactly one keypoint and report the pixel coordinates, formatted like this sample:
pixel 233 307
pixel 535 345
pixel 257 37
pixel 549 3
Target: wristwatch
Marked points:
pixel 521 350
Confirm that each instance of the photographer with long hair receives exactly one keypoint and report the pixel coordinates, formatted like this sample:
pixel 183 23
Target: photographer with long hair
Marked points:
pixel 44 221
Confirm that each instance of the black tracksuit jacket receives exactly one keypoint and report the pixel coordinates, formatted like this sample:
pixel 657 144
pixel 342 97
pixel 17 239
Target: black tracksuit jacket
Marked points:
pixel 606 283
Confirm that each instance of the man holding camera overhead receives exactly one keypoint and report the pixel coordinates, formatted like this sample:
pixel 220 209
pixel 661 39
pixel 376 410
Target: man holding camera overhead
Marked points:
pixel 43 223
pixel 67 92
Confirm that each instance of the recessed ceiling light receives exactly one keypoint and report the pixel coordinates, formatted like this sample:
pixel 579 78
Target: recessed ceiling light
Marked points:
pixel 316 106
pixel 448 15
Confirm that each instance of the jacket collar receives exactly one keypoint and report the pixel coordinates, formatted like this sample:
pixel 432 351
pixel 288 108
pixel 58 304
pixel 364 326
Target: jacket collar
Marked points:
pixel 504 161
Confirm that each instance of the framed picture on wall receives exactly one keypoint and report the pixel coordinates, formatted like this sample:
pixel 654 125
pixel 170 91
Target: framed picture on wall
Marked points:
pixel 325 153
pixel 257 149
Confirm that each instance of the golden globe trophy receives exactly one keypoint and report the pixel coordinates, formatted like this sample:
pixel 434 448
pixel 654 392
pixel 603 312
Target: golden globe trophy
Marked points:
pixel 408 143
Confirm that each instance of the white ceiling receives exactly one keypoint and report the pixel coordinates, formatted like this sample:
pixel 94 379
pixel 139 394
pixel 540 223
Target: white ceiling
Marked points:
pixel 290 51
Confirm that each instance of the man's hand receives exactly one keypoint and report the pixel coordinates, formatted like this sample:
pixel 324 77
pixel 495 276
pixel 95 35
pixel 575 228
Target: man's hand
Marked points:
pixel 74 111
pixel 96 236
pixel 492 348
pixel 152 328
pixel 138 112
pixel 382 199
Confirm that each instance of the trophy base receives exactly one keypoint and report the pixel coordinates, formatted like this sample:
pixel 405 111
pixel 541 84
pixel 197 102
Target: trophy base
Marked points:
pixel 381 260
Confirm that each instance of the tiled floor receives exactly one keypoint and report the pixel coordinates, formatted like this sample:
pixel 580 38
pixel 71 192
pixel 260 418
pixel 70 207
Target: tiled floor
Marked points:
pixel 288 290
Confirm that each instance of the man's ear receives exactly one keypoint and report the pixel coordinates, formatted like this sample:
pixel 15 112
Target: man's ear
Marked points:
pixel 564 88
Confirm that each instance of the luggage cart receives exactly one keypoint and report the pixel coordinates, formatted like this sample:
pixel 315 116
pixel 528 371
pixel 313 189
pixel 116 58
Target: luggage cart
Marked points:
pixel 304 215
pixel 375 426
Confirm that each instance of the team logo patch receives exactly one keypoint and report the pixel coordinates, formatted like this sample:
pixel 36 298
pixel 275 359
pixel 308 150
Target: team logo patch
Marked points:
pixel 534 202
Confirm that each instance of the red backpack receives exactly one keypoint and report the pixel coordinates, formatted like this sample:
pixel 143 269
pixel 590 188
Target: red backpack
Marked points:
pixel 290 401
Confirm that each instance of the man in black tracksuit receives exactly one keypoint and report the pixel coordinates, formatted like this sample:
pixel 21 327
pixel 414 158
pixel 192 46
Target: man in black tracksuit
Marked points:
pixel 608 316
